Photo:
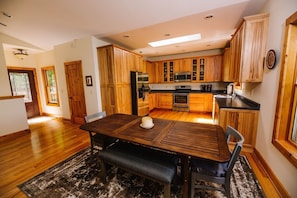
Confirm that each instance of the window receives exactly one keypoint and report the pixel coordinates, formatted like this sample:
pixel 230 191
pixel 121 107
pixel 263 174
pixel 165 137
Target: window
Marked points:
pixel 20 85
pixel 285 126
pixel 50 85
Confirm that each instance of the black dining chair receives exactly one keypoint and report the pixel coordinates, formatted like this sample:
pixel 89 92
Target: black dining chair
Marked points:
pixel 215 172
pixel 98 140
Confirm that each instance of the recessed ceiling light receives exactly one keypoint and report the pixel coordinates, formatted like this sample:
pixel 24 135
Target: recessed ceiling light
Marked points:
pixel 3 24
pixel 175 40
pixel 208 17
pixel 6 14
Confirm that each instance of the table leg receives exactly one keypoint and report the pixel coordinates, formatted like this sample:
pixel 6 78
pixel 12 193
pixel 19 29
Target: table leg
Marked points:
pixel 185 175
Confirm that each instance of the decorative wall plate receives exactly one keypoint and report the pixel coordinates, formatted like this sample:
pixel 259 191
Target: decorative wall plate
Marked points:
pixel 270 59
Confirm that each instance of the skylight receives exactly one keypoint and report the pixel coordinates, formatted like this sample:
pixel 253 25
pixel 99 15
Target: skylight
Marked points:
pixel 181 39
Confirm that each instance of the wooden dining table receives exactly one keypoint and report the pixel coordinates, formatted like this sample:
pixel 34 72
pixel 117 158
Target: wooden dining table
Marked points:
pixel 186 139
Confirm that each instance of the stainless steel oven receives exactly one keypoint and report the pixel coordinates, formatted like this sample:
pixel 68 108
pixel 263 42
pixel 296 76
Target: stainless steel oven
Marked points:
pixel 181 98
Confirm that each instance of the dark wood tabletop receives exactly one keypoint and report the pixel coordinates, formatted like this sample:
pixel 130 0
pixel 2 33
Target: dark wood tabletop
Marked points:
pixel 187 139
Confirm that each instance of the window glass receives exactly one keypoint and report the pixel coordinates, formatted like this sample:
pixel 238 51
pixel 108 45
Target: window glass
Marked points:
pixel 20 85
pixel 50 84
pixel 293 136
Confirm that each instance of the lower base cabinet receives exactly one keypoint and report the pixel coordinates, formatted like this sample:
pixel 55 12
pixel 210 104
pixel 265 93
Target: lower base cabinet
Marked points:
pixel 201 102
pixel 245 121
pixel 164 100
pixel 152 101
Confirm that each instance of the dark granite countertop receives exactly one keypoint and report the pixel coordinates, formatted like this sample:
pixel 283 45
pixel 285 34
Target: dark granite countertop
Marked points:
pixel 192 91
pixel 238 102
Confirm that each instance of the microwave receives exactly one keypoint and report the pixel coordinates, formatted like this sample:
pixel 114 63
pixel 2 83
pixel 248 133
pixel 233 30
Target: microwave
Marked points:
pixel 182 76
pixel 142 78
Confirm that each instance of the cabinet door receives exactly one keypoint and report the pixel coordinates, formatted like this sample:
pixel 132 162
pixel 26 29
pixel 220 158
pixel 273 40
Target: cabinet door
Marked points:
pixel 226 65
pixel 123 99
pixel 177 65
pixel 165 100
pixel 209 69
pixel 201 102
pixel 151 70
pixel 213 68
pixel 159 71
pixel 123 60
pixel 168 71
pixel 152 101
pixel 217 69
pixel 194 69
pixel 105 62
pixel 108 99
pixel 186 65
pixel 245 121
pixel 236 47
pixel 254 48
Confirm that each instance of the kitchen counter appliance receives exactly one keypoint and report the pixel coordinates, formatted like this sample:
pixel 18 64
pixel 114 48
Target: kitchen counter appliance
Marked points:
pixel 181 98
pixel 139 93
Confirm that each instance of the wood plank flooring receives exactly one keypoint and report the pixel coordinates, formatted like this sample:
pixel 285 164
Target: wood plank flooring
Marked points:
pixel 26 154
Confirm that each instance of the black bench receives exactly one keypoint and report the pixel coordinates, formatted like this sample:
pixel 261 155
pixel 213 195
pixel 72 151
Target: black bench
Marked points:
pixel 146 162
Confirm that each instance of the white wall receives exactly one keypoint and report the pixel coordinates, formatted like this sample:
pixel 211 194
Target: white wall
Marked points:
pixel 85 50
pixel 13 117
pixel 4 82
pixel 43 60
pixel 266 94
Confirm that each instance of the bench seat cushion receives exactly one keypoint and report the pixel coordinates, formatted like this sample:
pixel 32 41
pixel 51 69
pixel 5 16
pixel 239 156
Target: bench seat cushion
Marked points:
pixel 147 162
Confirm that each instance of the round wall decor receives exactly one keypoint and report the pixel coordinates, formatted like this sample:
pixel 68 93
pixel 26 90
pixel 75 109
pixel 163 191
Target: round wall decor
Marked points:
pixel 270 59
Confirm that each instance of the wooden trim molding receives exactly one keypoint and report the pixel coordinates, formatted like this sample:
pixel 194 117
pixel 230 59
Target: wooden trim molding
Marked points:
pixel 266 170
pixel 10 97
pixel 285 100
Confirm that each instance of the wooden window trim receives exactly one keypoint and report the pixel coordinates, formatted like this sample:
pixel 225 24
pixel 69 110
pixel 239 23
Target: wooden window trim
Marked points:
pixel 285 101
pixel 43 69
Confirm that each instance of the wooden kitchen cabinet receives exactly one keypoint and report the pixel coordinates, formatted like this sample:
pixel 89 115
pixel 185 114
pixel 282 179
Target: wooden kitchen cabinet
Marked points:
pixel 198 69
pixel 245 121
pixel 164 100
pixel 213 68
pixel 115 65
pixel 207 69
pixel 226 66
pixel 182 65
pixel 152 101
pixel 185 65
pixel 201 102
pixel 168 71
pixel 159 71
pixel 151 70
pixel 248 48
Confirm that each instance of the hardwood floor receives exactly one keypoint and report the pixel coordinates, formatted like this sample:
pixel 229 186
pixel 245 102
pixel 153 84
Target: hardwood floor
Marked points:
pixel 26 154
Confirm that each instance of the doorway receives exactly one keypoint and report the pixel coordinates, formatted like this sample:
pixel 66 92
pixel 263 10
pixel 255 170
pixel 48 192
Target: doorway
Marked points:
pixel 76 94
pixel 23 82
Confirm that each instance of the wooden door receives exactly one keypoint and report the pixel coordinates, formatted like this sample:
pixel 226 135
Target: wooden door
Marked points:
pixel 76 94
pixel 22 82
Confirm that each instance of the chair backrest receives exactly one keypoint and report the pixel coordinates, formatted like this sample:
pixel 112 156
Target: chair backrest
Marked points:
pixel 95 116
pixel 231 132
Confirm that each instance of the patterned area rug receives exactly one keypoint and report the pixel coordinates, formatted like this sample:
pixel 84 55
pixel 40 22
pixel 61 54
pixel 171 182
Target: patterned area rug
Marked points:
pixel 77 176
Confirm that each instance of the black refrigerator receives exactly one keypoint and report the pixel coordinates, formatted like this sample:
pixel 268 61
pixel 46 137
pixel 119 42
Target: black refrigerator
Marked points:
pixel 139 93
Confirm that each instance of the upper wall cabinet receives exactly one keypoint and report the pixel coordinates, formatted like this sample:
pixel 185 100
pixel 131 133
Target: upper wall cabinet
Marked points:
pixel 248 48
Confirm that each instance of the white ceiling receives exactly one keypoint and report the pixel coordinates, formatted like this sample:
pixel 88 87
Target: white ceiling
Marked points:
pixel 45 24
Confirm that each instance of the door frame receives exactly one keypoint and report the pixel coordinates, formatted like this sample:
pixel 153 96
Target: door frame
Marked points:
pixel 35 82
